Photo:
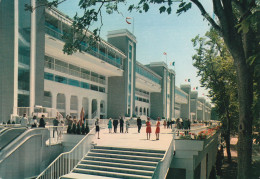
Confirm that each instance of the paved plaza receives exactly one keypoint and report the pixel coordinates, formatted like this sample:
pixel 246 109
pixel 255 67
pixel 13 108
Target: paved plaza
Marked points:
pixel 133 139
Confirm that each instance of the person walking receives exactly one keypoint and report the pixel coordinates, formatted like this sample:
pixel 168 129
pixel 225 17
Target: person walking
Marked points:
pixel 97 127
pixel 164 123
pixel 139 124
pixel 110 125
pixel 24 121
pixel 55 124
pixel 42 122
pixel 121 125
pixel 34 122
pixel 127 124
pixel 148 128
pixel 115 123
pixel 157 131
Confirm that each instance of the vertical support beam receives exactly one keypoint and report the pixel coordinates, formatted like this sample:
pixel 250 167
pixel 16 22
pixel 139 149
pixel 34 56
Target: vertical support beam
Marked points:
pixel 16 34
pixel 32 57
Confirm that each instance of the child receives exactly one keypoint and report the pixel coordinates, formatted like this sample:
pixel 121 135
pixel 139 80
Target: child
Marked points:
pixel 127 124
pixel 97 127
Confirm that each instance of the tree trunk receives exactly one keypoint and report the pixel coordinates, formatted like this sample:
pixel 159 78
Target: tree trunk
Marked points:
pixel 227 138
pixel 245 97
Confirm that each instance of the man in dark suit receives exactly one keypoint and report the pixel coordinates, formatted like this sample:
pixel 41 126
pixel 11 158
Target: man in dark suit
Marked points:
pixel 121 125
pixel 115 123
pixel 139 124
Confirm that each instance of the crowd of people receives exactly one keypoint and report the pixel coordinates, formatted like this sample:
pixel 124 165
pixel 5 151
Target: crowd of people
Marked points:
pixel 115 122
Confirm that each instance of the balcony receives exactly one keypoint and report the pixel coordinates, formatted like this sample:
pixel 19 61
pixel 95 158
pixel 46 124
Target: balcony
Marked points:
pixel 56 33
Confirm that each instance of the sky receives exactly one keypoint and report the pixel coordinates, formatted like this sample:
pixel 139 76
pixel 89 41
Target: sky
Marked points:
pixel 158 33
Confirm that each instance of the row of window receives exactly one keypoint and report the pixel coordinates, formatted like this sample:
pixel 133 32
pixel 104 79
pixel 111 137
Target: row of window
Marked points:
pixel 73 70
pixel 142 99
pixel 102 52
pixel 142 91
pixel 72 82
pixel 147 74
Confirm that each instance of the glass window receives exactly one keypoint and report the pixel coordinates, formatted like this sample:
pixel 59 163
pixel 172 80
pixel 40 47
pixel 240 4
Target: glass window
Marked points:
pixel 94 87
pixel 23 100
pixel 49 62
pixel 130 52
pixel 73 82
pixel 61 100
pixel 23 79
pixel 60 79
pixel 47 99
pixel 84 85
pixel 101 89
pixel 48 76
pixel 73 103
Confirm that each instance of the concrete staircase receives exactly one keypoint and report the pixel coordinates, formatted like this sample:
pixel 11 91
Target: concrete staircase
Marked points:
pixel 117 163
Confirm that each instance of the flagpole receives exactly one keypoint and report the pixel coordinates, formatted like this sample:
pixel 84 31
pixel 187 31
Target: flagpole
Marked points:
pixel 133 24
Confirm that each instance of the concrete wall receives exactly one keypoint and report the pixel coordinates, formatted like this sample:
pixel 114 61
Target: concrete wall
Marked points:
pixel 185 108
pixel 39 53
pixel 31 158
pixel 6 59
pixel 116 97
pixel 189 154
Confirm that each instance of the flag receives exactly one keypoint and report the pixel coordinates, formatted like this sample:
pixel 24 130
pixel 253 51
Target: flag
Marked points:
pixel 202 94
pixel 164 53
pixel 126 19
pixel 197 88
pixel 82 114
pixel 172 63
pixel 188 80
pixel 194 88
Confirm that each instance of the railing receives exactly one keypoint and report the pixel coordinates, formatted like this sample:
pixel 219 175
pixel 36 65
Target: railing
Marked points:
pixel 56 134
pixel 85 76
pixel 95 79
pixel 37 111
pixel 163 165
pixel 66 161
pixel 61 69
pixel 142 94
pixel 58 35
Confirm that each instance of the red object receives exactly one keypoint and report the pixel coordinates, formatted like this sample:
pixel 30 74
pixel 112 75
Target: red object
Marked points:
pixel 82 114
pixel 157 131
pixel 164 53
pixel 126 19
pixel 148 127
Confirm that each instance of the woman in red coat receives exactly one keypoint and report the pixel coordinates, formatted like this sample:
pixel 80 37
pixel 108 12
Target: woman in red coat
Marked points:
pixel 148 128
pixel 157 131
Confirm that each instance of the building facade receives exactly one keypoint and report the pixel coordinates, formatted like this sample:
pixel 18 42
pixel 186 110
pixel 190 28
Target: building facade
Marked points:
pixel 106 79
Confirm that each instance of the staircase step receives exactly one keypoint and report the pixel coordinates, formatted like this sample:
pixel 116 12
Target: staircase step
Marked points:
pixel 117 160
pixel 154 159
pixel 115 169
pixel 130 149
pixel 136 153
pixel 119 165
pixel 110 174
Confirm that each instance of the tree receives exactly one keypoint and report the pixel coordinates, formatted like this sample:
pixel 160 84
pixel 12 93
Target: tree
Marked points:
pixel 238 24
pixel 215 66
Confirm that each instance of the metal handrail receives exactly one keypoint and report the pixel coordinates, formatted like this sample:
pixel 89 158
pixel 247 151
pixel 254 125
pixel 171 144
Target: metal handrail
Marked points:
pixel 66 161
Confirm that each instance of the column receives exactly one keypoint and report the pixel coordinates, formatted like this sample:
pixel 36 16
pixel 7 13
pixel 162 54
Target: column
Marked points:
pixel 90 108
pixel 98 108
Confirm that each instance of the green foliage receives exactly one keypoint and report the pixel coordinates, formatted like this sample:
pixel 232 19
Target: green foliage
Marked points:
pixel 216 68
